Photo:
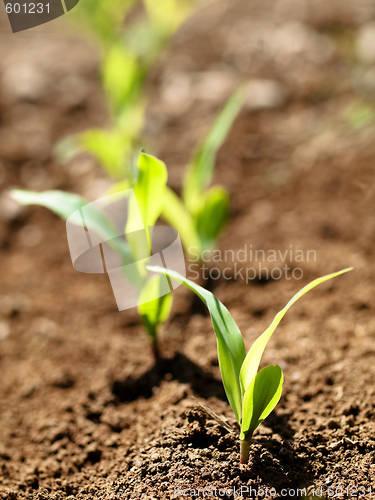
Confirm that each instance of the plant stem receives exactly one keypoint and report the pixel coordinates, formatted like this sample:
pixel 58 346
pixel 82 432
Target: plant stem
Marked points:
pixel 244 453
pixel 155 349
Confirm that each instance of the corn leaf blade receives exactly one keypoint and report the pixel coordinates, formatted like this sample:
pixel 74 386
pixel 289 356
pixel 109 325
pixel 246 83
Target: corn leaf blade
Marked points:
pixel 110 148
pixel 260 399
pixel 149 198
pixel 150 187
pixel 253 357
pixel 175 213
pixel 65 204
pixel 61 203
pixel 201 168
pixel 231 348
pixel 121 76
pixel 212 217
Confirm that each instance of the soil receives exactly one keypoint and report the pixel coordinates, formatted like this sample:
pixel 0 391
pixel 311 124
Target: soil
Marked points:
pixel 85 411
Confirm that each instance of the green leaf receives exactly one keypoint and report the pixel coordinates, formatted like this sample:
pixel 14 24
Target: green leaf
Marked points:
pixel 260 399
pixel 201 168
pixel 101 18
pixel 111 149
pixel 150 187
pixel 67 148
pixel 154 309
pixel 121 75
pixel 212 217
pixel 149 196
pixel 175 213
pixel 148 202
pixel 231 348
pixel 167 15
pixel 61 203
pixel 119 188
pixel 251 363
pixel 65 204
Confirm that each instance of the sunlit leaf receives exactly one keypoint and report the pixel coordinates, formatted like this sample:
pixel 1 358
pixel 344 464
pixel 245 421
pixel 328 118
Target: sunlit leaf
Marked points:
pixel 167 15
pixel 231 348
pixel 212 217
pixel 150 187
pixel 200 170
pixel 251 363
pixel 149 198
pixel 66 204
pixel 121 76
pixel 67 148
pixel 175 213
pixel 260 399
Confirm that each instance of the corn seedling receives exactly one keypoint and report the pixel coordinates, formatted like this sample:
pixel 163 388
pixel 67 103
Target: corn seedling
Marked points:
pixel 252 394
pixel 149 194
pixel 202 212
pixel 127 55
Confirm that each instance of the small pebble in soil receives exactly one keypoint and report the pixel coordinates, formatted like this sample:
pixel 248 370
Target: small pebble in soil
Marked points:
pixel 264 94
pixel 30 235
pixel 4 330
pixel 365 43
pixel 12 305
pixel 9 208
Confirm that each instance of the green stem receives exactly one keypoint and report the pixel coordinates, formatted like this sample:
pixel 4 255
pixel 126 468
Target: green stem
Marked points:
pixel 244 453
pixel 155 349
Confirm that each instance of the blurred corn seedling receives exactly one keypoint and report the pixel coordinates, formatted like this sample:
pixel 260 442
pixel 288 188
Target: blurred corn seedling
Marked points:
pixel 130 35
pixel 154 304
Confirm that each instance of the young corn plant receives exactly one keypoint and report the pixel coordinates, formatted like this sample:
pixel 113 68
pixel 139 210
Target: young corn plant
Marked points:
pixel 149 191
pixel 127 55
pixel 202 212
pixel 252 394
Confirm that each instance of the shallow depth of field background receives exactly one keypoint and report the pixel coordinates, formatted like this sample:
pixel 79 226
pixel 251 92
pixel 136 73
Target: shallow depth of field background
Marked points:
pixel 82 406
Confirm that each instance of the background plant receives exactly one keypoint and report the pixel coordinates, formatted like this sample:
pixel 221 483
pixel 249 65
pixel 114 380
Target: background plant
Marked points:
pixel 203 210
pixel 199 216
pixel 149 193
pixel 201 213
pixel 130 35
pixel 251 394
pixel 127 56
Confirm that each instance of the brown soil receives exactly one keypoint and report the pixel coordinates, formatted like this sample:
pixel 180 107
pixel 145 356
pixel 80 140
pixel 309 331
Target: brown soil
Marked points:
pixel 85 412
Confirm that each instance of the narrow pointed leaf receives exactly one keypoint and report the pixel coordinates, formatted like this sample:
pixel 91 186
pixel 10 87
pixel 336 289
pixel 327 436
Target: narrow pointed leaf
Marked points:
pixel 121 75
pixel 260 399
pixel 65 204
pixel 231 348
pixel 149 197
pixel 201 168
pixel 150 187
pixel 212 217
pixel 175 213
pixel 110 148
pixel 251 363
pixel 61 203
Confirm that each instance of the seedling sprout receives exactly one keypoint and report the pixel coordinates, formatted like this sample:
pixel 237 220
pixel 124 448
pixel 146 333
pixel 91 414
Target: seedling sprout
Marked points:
pixel 252 395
